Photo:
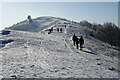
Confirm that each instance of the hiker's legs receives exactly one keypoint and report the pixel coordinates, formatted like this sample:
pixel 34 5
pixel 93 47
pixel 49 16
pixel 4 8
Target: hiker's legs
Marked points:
pixel 80 47
pixel 77 46
pixel 74 43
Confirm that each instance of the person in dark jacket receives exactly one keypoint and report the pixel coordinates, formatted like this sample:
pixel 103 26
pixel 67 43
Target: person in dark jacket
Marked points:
pixel 74 39
pixel 61 30
pixel 57 29
pixel 77 42
pixel 81 41
pixel 52 29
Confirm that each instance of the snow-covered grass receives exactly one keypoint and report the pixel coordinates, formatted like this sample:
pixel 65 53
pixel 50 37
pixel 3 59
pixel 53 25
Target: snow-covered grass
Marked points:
pixel 33 54
pixel 51 56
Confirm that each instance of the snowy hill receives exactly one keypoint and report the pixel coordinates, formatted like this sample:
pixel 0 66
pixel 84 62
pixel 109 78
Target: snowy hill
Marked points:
pixel 38 54
pixel 34 24
pixel 41 23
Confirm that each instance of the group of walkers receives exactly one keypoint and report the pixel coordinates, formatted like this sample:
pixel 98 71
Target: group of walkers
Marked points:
pixel 77 41
pixel 59 30
pixel 50 30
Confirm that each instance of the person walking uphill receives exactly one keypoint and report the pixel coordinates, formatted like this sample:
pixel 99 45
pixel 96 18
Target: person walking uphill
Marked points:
pixel 77 42
pixel 81 41
pixel 74 38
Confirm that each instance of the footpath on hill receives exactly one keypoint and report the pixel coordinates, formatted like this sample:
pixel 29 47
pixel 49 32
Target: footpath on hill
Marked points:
pixel 37 55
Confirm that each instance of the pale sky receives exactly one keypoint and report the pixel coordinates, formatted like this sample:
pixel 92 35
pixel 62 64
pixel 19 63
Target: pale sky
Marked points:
pixel 99 12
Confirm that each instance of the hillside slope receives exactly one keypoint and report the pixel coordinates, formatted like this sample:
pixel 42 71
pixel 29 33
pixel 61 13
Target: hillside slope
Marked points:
pixel 43 55
pixel 39 54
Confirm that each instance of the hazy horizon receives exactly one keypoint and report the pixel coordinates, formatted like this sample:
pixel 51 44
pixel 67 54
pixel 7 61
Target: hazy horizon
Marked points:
pixel 98 12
